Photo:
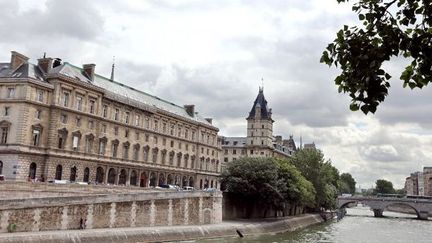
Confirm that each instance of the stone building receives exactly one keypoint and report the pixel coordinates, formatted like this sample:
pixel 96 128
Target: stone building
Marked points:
pixel 259 141
pixel 59 121
pixel 419 183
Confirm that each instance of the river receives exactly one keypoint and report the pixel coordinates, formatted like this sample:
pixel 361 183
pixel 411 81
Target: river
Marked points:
pixel 359 225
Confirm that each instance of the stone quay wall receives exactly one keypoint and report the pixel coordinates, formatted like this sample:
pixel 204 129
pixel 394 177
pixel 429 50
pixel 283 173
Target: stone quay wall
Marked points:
pixel 111 211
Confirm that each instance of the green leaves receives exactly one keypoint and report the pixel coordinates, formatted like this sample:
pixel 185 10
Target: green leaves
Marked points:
pixel 360 51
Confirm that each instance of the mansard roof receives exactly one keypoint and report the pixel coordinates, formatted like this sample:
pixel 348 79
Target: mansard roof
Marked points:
pixel 261 102
pixel 26 70
pixel 119 91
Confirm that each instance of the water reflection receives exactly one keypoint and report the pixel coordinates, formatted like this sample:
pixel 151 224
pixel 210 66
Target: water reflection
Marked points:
pixel 359 225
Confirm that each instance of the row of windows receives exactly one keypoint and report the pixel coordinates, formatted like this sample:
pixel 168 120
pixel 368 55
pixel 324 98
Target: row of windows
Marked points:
pixel 181 160
pixel 166 127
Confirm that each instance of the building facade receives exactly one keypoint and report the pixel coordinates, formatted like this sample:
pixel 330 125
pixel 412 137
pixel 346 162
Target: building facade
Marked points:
pixel 59 121
pixel 419 183
pixel 259 141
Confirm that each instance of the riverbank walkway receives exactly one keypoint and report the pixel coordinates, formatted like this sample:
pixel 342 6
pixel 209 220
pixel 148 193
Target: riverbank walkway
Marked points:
pixel 166 233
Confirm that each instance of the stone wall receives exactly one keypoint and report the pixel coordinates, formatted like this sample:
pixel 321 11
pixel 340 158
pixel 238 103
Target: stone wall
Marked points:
pixel 111 211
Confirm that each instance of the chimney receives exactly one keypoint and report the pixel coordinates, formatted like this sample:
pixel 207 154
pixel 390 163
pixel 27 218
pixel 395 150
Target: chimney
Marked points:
pixel 45 64
pixel 17 59
pixel 210 120
pixel 278 139
pixel 190 109
pixel 89 70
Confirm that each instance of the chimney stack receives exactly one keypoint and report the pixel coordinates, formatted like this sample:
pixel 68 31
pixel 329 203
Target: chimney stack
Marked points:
pixel 45 64
pixel 190 109
pixel 17 59
pixel 89 70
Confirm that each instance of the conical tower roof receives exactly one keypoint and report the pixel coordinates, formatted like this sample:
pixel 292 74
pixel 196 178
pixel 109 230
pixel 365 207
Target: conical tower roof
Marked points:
pixel 261 102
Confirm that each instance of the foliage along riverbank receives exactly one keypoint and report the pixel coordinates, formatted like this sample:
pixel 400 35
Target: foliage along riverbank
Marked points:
pixel 304 180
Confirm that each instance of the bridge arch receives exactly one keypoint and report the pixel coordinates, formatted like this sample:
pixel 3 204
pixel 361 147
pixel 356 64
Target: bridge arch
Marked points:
pixel 406 205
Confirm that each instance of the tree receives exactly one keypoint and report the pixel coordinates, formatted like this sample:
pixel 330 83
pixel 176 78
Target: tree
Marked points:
pixel 323 176
pixel 254 179
pixel 347 183
pixel 295 188
pixel 270 182
pixel 384 187
pixel 391 28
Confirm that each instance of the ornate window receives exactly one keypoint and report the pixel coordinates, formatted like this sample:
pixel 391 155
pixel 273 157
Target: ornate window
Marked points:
pixel 11 92
pixel 105 111
pixel 59 171
pixel 79 101
pixel 89 143
pixel 92 106
pixel 127 114
pixel 102 145
pixel 62 136
pixel 126 146
pixel 155 152
pixel 146 153
pixel 86 177
pixel 4 130
pixel 179 156
pixel 171 158
pixel 114 149
pixel 76 137
pixel 65 98
pixel 136 149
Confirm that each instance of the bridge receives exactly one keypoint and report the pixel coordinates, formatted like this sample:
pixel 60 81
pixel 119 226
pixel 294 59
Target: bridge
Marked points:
pixel 422 207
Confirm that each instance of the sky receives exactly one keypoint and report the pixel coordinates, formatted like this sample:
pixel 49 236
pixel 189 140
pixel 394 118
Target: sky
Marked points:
pixel 214 54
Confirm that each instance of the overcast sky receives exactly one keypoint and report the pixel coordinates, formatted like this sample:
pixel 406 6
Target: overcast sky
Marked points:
pixel 214 53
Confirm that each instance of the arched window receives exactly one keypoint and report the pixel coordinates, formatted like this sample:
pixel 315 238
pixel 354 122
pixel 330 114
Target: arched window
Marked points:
pixel 1 167
pixel 122 177
pixel 185 181
pixel 143 180
pixel 111 176
pixel 191 181
pixel 170 179
pixel 59 171
pixel 86 174
pixel 153 179
pixel 99 175
pixel 133 178
pixel 73 172
pixel 32 171
pixel 161 179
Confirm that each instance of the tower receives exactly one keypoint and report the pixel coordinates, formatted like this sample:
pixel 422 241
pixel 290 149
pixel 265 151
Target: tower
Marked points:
pixel 259 139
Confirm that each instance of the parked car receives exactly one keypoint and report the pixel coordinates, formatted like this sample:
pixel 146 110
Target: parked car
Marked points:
pixel 188 188
pixel 2 178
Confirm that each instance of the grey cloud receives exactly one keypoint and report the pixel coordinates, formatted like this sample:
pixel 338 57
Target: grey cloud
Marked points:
pixel 62 18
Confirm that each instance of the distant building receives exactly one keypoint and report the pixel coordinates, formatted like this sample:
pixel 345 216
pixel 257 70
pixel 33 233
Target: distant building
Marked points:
pixel 63 122
pixel 419 183
pixel 259 141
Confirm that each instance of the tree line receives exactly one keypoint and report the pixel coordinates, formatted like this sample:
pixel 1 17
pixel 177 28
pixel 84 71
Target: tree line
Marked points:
pixel 306 179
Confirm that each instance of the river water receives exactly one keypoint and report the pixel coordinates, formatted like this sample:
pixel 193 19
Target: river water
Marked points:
pixel 359 225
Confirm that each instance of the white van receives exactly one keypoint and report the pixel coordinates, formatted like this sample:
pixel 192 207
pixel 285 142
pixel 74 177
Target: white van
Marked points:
pixel 188 188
